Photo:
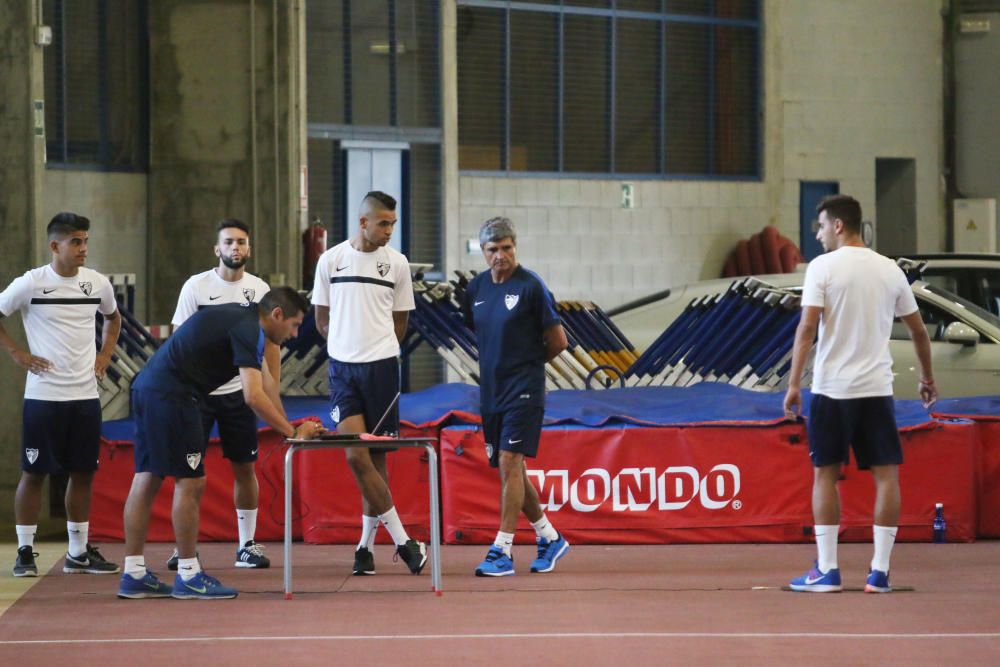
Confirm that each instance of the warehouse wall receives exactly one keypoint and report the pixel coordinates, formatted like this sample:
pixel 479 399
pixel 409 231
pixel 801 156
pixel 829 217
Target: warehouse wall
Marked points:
pixel 845 83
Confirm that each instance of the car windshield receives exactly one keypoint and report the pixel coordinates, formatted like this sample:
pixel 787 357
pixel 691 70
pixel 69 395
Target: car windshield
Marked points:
pixel 978 311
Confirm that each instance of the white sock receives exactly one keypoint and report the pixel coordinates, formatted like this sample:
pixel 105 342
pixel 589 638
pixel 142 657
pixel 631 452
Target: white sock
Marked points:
pixel 77 537
pixel 135 566
pixel 188 568
pixel 884 537
pixel 505 541
pixel 544 529
pixel 395 527
pixel 26 536
pixel 246 523
pixel 826 546
pixel 369 526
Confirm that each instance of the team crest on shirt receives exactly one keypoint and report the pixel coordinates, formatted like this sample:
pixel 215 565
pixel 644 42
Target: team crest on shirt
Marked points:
pixel 31 454
pixel 489 451
pixel 383 268
pixel 335 414
pixel 193 460
pixel 248 293
pixel 510 300
pixel 86 288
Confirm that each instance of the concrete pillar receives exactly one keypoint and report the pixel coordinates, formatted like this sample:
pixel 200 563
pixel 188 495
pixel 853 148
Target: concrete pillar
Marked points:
pixel 449 133
pixel 224 135
pixel 20 167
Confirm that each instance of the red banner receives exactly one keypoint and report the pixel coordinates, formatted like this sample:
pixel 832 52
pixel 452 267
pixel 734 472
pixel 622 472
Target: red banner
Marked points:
pixel 218 514
pixel 699 485
pixel 330 503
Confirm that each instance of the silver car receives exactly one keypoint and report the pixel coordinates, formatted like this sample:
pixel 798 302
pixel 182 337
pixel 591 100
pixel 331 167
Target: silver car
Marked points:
pixel 965 338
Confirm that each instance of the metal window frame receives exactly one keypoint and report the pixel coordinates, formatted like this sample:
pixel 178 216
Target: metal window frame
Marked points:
pixel 613 14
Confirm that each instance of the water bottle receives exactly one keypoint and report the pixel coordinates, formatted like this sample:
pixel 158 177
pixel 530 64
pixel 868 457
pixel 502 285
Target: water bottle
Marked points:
pixel 939 524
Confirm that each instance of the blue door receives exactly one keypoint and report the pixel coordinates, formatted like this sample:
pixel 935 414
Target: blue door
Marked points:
pixel 810 192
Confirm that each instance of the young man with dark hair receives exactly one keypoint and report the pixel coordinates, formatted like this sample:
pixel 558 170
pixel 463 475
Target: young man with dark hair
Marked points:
pixel 518 332
pixel 230 282
pixel 205 353
pixel 62 410
pixel 851 296
pixel 363 294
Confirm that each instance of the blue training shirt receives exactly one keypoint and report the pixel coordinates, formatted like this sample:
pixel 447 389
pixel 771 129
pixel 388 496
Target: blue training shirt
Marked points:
pixel 206 351
pixel 509 319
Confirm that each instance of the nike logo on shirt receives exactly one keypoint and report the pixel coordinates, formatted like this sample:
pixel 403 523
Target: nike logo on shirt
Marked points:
pixel 341 268
pixel 48 291
pixel 479 302
pixel 213 298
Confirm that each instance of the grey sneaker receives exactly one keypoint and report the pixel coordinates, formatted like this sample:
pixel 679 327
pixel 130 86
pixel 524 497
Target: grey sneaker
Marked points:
pixel 252 555
pixel 364 562
pixel 24 565
pixel 414 554
pixel 89 562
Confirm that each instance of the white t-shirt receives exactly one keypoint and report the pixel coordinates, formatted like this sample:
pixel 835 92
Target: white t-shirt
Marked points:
pixel 860 292
pixel 207 289
pixel 362 289
pixel 58 315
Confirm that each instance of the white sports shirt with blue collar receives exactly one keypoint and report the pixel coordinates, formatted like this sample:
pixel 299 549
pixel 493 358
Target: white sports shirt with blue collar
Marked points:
pixel 58 315
pixel 207 289
pixel 362 289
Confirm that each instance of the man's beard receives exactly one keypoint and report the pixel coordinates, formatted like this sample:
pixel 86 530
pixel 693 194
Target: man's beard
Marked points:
pixel 234 264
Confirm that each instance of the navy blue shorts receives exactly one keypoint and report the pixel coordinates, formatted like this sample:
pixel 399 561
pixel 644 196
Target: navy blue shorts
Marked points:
pixel 237 425
pixel 169 434
pixel 515 430
pixel 60 436
pixel 365 389
pixel 866 425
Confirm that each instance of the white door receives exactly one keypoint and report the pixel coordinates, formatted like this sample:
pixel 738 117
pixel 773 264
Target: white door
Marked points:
pixel 375 165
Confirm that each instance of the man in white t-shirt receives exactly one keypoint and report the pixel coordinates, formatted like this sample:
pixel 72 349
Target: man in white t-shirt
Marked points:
pixel 62 411
pixel 363 294
pixel 229 282
pixel 852 295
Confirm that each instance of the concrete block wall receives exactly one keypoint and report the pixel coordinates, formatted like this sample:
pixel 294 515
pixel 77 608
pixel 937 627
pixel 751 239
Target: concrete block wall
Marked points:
pixel 845 82
pixel 116 206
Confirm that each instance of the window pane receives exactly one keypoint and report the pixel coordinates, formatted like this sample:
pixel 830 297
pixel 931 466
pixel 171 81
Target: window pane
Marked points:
pixel 417 63
pixel 534 91
pixel 735 104
pixel 687 112
pixel 126 104
pixel 82 83
pixel 639 5
pixel 637 125
pixel 586 109
pixel 325 61
pixel 738 9
pixel 481 44
pixel 369 64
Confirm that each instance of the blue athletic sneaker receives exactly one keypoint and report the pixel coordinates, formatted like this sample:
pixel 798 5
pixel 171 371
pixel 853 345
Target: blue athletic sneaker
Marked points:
pixel 497 564
pixel 878 582
pixel 201 587
pixel 815 581
pixel 549 553
pixel 148 587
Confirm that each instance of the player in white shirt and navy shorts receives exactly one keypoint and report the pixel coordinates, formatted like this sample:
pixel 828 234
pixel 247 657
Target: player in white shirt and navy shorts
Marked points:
pixel 58 303
pixel 363 294
pixel 851 297
pixel 229 282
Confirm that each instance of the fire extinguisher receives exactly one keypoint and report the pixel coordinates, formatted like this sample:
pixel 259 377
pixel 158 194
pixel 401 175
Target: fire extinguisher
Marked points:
pixel 313 245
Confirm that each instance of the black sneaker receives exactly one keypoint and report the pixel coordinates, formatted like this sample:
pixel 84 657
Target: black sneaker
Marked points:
pixel 414 554
pixel 364 562
pixel 25 566
pixel 251 554
pixel 172 561
pixel 89 562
